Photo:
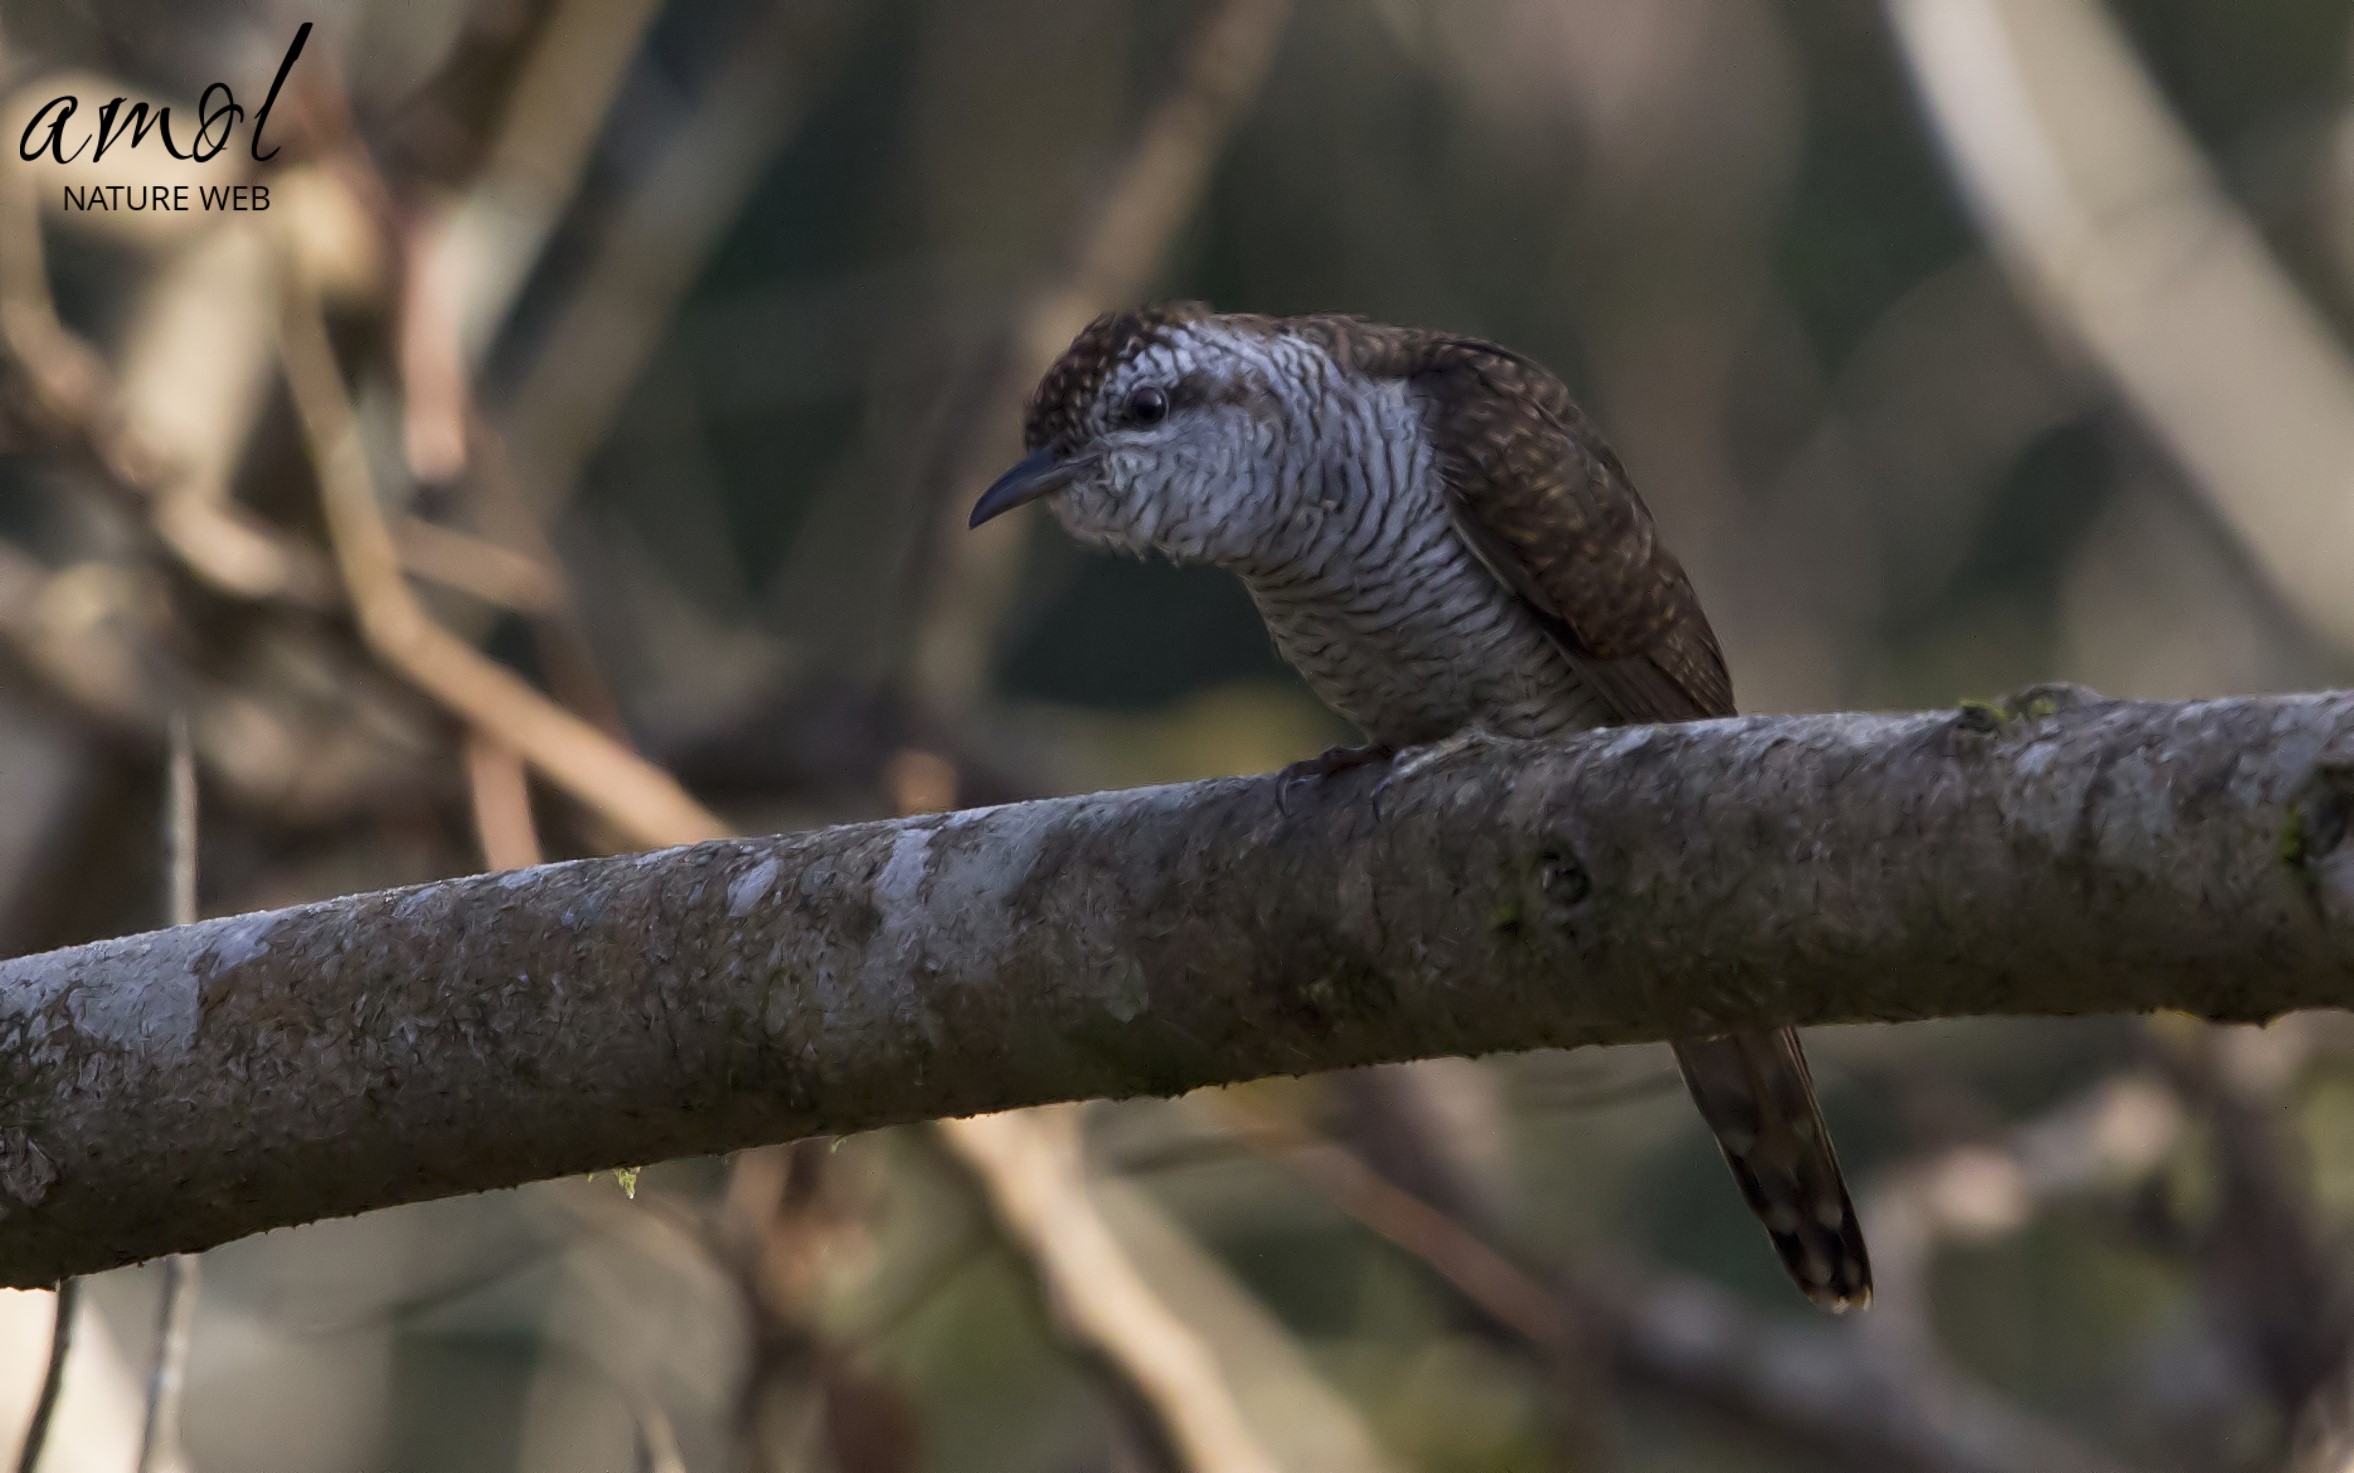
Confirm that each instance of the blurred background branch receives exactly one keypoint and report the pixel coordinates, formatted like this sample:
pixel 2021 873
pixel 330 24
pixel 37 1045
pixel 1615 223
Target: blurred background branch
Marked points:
pixel 2103 210
pixel 160 1448
pixel 960 581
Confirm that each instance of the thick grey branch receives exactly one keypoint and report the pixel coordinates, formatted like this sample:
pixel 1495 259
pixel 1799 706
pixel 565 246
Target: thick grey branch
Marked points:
pixel 2058 855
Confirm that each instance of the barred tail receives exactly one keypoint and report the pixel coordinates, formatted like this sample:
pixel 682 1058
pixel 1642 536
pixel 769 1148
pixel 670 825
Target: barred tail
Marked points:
pixel 1754 1091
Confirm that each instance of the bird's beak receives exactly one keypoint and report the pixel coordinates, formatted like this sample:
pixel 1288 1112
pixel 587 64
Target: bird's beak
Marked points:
pixel 1035 475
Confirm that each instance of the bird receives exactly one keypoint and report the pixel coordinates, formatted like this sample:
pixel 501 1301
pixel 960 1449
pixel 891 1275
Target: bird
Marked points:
pixel 1443 546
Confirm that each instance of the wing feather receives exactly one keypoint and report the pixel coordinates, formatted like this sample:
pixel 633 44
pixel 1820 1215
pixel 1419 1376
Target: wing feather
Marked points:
pixel 1548 508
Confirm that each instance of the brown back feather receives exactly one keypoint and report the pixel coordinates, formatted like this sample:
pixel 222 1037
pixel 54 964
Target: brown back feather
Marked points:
pixel 1549 509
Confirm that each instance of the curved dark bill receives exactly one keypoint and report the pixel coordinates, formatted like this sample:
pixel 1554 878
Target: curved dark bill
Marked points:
pixel 1033 476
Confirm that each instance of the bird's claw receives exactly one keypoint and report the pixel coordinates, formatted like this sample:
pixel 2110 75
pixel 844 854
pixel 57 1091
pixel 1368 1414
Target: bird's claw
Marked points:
pixel 1338 759
pixel 1332 761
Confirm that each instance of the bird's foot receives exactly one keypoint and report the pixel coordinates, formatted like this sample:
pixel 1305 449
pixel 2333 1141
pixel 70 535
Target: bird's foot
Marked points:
pixel 1421 759
pixel 1334 760
pixel 1339 759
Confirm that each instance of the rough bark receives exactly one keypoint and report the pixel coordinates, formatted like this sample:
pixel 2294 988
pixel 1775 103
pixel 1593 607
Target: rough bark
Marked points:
pixel 2055 855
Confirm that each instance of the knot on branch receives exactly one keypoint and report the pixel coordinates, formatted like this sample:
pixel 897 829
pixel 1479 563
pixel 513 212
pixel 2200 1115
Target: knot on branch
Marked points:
pixel 1547 892
pixel 1562 878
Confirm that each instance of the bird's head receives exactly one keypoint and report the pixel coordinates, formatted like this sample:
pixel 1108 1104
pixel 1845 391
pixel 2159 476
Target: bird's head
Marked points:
pixel 1159 430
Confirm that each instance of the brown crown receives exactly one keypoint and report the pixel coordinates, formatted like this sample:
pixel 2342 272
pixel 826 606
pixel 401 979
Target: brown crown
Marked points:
pixel 1058 410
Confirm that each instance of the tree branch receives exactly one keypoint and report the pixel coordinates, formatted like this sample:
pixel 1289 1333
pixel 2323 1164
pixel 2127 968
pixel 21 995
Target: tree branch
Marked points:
pixel 2058 855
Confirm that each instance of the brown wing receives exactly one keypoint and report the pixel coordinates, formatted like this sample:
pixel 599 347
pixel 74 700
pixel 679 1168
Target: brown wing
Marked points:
pixel 1549 509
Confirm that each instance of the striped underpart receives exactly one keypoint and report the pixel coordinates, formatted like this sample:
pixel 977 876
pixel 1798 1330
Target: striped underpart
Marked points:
pixel 1320 489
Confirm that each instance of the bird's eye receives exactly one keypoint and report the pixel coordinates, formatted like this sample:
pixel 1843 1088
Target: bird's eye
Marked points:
pixel 1145 408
